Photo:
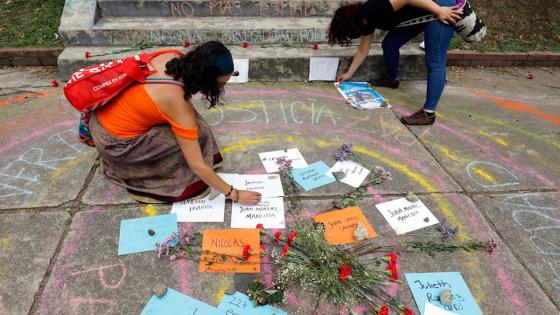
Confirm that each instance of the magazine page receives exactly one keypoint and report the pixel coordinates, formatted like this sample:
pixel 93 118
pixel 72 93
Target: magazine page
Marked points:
pixel 360 95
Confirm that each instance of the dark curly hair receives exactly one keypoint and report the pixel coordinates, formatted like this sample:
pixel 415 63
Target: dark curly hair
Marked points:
pixel 346 24
pixel 199 73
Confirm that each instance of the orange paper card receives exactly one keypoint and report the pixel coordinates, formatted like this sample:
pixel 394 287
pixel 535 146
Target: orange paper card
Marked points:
pixel 230 242
pixel 341 224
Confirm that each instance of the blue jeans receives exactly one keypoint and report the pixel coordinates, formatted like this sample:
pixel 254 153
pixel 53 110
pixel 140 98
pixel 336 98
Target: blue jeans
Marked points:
pixel 436 37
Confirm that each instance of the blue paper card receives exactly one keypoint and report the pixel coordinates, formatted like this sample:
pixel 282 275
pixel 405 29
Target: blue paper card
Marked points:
pixel 176 303
pixel 240 304
pixel 134 236
pixel 426 287
pixel 312 176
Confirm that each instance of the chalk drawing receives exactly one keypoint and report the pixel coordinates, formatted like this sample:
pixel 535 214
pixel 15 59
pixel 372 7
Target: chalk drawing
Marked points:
pixel 514 180
pixel 540 223
pixel 258 111
pixel 182 9
pixel 28 165
pixel 101 273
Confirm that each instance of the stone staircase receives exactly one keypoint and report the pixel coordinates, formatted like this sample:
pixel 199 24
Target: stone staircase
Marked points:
pixel 280 34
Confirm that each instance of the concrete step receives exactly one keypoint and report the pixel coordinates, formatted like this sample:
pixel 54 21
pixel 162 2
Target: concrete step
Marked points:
pixel 231 8
pixel 272 63
pixel 166 31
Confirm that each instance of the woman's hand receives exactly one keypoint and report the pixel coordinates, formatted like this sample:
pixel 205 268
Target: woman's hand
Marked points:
pixel 344 77
pixel 249 198
pixel 447 15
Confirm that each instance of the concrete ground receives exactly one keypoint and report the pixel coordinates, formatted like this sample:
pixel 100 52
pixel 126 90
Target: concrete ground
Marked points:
pixel 490 164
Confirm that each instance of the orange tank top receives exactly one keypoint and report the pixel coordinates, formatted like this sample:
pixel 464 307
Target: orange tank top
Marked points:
pixel 133 112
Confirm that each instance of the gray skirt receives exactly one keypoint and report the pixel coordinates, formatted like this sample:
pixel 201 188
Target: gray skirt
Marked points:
pixel 152 164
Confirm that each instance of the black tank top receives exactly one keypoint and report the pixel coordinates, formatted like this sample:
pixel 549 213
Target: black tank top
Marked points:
pixel 380 14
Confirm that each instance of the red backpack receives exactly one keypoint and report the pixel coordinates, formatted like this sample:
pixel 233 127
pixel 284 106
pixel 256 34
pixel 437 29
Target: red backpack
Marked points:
pixel 96 85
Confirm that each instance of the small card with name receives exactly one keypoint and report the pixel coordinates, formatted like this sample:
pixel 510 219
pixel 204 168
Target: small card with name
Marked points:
pixel 142 234
pixel 405 216
pixel 354 172
pixel 230 243
pixel 313 176
pixel 240 303
pixel 340 225
pixel 428 287
pixel 200 210
pixel 269 185
pixel 269 159
pixel 269 212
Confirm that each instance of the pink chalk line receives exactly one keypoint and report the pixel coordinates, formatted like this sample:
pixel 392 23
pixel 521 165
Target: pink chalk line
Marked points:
pixel 183 273
pixel 37 133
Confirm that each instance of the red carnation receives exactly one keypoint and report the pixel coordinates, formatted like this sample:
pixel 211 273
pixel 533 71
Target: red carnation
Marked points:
pixel 278 236
pixel 54 83
pixel 392 271
pixel 186 44
pixel 292 236
pixel 344 272
pixel 383 311
pixel 285 251
pixel 391 258
pixel 530 76
pixel 264 251
pixel 245 44
pixel 88 54
pixel 247 252
pixel 260 226
pixel 406 311
pixel 315 46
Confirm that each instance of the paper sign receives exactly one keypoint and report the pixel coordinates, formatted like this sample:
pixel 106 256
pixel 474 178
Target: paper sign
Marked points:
pixel 355 173
pixel 323 69
pixel 134 236
pixel 341 224
pixel 269 159
pixel 431 309
pixel 269 212
pixel 176 303
pixel 312 176
pixel 405 216
pixel 427 287
pixel 229 242
pixel 240 303
pixel 200 210
pixel 269 185
pixel 242 66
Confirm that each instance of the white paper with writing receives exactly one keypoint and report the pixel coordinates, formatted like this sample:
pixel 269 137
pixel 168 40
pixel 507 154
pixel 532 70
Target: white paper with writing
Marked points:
pixel 268 159
pixel 269 185
pixel 431 309
pixel 355 173
pixel 405 216
pixel 323 69
pixel 200 210
pixel 269 212
pixel 242 66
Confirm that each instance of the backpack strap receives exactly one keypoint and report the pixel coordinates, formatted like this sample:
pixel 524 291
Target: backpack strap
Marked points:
pixel 164 81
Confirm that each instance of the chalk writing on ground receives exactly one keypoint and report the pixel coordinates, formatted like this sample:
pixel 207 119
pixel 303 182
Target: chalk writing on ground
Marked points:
pixel 542 225
pixel 275 111
pixel 18 176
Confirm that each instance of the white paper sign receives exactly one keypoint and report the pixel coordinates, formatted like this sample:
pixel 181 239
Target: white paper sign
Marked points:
pixel 269 212
pixel 269 185
pixel 200 210
pixel 405 216
pixel 269 159
pixel 355 173
pixel 431 309
pixel 242 66
pixel 323 69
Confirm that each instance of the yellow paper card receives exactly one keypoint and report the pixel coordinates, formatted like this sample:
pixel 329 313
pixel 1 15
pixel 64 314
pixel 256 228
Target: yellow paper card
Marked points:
pixel 230 242
pixel 341 224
